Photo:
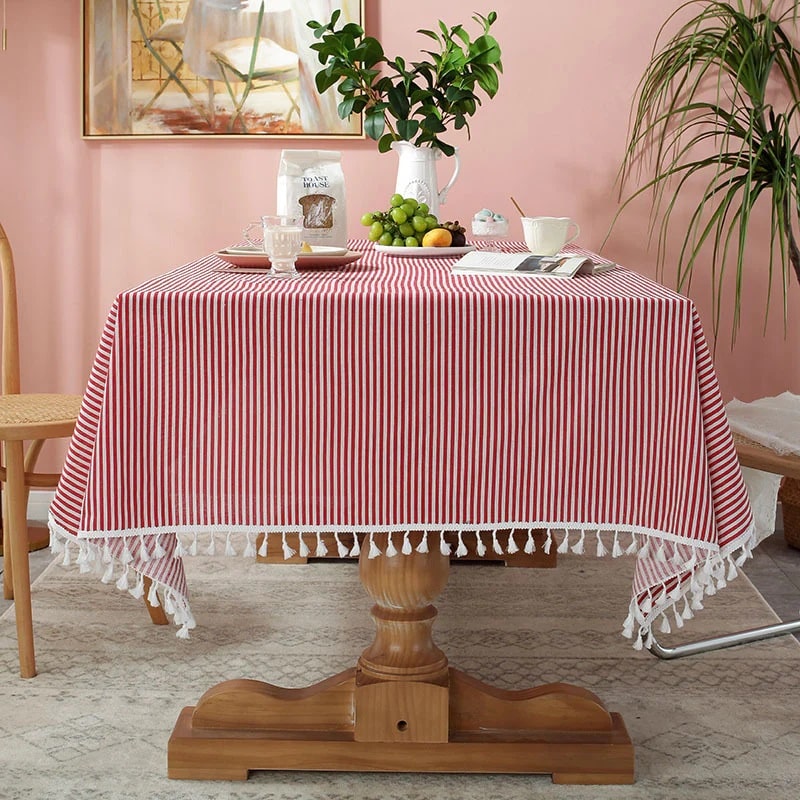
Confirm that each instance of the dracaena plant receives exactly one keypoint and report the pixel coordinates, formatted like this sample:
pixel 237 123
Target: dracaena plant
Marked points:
pixel 717 108
pixel 416 102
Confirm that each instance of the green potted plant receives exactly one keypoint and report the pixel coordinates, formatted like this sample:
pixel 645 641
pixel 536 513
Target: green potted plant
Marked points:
pixel 414 103
pixel 718 104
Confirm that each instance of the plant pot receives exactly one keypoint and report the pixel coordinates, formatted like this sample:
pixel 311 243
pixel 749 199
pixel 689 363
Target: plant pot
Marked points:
pixel 417 176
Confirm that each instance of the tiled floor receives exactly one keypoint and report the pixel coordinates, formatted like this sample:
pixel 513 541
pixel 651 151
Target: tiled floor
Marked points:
pixel 774 570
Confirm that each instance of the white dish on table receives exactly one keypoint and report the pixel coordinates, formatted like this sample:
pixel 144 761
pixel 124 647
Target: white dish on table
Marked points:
pixel 250 259
pixel 424 252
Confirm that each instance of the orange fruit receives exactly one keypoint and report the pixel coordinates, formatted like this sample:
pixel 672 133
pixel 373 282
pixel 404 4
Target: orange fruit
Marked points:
pixel 437 237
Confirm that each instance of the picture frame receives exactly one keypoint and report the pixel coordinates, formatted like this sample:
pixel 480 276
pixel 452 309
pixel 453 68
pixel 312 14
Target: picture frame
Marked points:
pixel 172 69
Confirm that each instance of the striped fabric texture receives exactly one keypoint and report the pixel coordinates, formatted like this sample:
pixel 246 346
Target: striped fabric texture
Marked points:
pixel 392 395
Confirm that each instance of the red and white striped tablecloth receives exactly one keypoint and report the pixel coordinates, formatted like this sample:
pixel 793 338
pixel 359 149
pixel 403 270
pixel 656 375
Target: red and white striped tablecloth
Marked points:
pixel 393 395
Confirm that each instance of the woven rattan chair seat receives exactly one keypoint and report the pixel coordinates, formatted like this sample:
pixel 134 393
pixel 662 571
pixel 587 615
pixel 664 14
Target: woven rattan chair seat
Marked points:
pixel 38 409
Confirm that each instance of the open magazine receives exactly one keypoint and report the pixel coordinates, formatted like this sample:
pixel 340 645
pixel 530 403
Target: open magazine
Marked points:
pixel 561 265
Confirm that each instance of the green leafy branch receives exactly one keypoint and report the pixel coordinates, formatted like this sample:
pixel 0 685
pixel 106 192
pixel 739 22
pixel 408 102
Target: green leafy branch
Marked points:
pixel 416 102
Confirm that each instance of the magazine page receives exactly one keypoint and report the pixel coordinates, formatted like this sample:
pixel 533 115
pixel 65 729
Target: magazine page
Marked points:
pixel 561 265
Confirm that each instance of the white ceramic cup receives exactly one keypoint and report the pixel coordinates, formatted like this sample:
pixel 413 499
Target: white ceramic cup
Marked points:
pixel 545 236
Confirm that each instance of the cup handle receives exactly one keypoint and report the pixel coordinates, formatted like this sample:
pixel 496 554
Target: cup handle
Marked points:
pixel 576 234
pixel 246 233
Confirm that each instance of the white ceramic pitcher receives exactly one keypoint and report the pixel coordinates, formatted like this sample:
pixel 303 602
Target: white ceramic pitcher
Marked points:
pixel 416 174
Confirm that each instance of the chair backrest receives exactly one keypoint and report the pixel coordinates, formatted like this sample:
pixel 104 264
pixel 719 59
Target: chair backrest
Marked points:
pixel 9 359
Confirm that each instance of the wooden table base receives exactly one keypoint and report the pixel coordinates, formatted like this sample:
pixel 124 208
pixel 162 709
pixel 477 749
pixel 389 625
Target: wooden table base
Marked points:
pixel 401 709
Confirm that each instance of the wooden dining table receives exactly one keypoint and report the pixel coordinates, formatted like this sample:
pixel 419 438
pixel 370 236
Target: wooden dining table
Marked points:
pixel 424 410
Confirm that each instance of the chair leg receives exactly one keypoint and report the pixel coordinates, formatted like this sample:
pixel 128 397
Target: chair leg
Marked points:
pixel 157 614
pixel 17 528
pixel 726 640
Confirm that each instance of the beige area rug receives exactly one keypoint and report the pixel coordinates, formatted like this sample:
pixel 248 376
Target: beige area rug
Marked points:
pixel 95 722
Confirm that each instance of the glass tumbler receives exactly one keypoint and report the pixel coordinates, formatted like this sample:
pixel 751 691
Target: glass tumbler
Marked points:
pixel 283 238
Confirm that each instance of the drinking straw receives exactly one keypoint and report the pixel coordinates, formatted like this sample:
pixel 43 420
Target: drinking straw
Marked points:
pixel 516 205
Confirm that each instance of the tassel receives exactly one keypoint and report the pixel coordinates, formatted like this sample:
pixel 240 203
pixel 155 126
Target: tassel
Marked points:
pixel 65 562
pixel 530 544
pixel 627 625
pixel 406 545
pixel 678 618
pixel 108 574
pixel 106 552
pixel 179 550
pixel 578 547
pixel 159 552
pixel 616 550
pixel 250 547
pixel 422 547
pixel 303 550
pixel 496 545
pixel 193 545
pixel 644 550
pixel 676 591
pixel 687 612
pixel 637 644
pixel 288 552
pixel 138 590
pixel 56 545
pixel 461 550
pixel 665 628
pixel 374 552
pixel 444 547
pixel 229 550
pixel 169 603
pixel 83 559
pixel 511 547
pixel 661 555
pixel 211 550
pixel 647 604
pixel 122 582
pixel 262 548
pixel 355 551
pixel 602 550
pixel 648 642
pixel 564 546
pixel 632 547
pixel 548 542
pixel 152 596
pixel 480 547
pixel 183 633
pixel 126 556
pixel 144 553
pixel 322 548
pixel 732 571
pixel 341 549
pixel 391 550
pixel 662 598
pixel 711 590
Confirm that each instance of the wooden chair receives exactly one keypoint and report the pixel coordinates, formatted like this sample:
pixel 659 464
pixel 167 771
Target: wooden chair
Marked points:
pixel 756 456
pixel 32 418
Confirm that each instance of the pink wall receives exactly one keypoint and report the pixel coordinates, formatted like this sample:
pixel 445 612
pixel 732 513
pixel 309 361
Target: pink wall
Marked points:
pixel 88 219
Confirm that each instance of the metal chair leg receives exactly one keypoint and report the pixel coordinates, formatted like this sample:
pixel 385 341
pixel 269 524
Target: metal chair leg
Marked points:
pixel 720 642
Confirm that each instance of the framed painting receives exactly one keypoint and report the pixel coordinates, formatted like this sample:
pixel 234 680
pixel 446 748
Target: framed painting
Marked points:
pixel 243 68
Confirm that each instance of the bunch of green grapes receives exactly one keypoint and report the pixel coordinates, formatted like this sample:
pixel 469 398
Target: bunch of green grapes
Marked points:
pixel 403 225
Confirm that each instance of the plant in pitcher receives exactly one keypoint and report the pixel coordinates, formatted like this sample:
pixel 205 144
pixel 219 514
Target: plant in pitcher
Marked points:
pixel 409 107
